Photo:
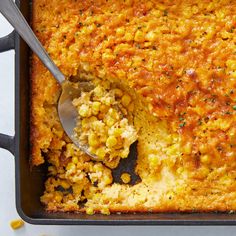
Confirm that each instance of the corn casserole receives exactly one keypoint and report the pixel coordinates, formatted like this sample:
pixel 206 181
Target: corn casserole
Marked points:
pixel 175 62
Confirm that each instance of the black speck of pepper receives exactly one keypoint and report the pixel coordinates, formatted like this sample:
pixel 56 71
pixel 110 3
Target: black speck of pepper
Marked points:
pixel 228 113
pixel 232 29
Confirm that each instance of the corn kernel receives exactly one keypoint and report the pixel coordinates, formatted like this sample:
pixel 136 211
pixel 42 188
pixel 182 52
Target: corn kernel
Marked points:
pixel 128 36
pixel 125 100
pixel 151 36
pixel 116 132
pixel 84 111
pixel 16 224
pixel 114 114
pixel 98 91
pixel 180 170
pixel 107 101
pixel 89 211
pixel 233 74
pixel 204 171
pixel 139 36
pixel 70 166
pixel 124 153
pixel 153 160
pixel 101 152
pixel 98 167
pixel 105 211
pixel 75 160
pixel 125 177
pixel 231 64
pixel 107 180
pixel 98 125
pixel 58 197
pixel 111 141
pixel 110 121
pixel 93 140
pixel 205 159
pixel 92 119
pixel 120 31
pixel 232 134
pixel 64 184
pixel 108 57
pixel 104 108
pixel 84 123
pixel 203 148
pixel 187 149
pixel 95 107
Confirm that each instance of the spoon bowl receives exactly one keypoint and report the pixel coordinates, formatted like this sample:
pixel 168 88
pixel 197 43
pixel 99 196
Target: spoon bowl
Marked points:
pixel 68 114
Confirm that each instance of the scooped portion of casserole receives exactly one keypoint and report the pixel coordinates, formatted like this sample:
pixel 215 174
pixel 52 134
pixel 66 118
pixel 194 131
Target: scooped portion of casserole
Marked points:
pixel 105 122
pixel 176 63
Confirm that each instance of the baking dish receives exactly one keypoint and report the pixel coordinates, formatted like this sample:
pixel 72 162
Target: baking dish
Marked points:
pixel 29 183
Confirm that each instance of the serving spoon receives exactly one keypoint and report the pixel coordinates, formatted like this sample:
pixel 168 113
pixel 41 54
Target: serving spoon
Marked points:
pixel 67 112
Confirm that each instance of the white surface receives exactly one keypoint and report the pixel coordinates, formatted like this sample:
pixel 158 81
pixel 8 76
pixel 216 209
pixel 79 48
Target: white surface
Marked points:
pixel 7 183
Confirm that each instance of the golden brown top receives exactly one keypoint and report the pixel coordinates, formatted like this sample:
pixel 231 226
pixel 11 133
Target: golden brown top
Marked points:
pixel 180 55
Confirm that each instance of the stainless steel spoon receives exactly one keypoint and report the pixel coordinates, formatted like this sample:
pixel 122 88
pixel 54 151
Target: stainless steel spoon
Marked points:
pixel 66 111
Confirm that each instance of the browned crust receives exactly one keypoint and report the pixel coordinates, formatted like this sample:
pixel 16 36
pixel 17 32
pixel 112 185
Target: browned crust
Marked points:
pixel 39 79
pixel 36 157
pixel 185 204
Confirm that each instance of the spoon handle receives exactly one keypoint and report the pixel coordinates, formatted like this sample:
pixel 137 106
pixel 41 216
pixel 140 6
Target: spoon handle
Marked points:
pixel 11 12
